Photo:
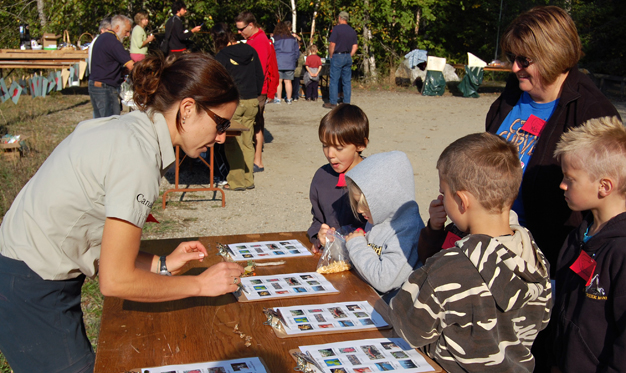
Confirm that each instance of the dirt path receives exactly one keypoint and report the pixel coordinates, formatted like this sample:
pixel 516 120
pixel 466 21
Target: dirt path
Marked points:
pixel 417 125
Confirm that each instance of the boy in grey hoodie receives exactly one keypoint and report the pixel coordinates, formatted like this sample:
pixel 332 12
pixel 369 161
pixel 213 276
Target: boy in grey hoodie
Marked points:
pixel 478 305
pixel 382 189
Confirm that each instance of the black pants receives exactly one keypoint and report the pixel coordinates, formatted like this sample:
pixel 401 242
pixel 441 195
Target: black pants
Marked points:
pixel 41 322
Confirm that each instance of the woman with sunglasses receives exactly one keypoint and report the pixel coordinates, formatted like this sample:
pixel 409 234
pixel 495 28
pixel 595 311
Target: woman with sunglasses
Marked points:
pixel 545 96
pixel 83 211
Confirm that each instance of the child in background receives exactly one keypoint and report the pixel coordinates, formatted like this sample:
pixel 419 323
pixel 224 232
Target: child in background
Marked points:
pixel 298 74
pixel 311 77
pixel 478 306
pixel 382 190
pixel 590 306
pixel 344 133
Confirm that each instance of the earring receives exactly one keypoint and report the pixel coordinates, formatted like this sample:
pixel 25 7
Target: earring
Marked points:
pixel 184 119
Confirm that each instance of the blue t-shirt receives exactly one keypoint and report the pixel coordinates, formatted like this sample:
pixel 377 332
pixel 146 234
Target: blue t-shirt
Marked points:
pixel 344 38
pixel 511 130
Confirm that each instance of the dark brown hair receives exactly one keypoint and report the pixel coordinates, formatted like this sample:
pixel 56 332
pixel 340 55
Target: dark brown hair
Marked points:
pixel 221 35
pixel 281 29
pixel 345 124
pixel 485 165
pixel 547 35
pixel 161 83
pixel 246 17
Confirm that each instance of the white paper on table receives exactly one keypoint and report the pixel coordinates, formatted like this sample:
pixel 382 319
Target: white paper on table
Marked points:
pixel 286 285
pixel 267 250
pixel 331 316
pixel 248 365
pixel 368 355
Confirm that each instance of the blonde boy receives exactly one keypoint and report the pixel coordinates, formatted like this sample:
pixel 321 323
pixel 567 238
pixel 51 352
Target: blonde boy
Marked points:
pixel 478 306
pixel 590 306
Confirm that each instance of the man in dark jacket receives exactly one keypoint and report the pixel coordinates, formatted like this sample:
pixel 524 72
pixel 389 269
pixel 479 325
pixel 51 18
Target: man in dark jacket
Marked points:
pixel 242 63
pixel 175 33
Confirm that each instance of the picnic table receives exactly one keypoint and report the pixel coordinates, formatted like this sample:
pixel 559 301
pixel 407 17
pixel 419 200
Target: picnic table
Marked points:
pixel 137 335
pixel 40 59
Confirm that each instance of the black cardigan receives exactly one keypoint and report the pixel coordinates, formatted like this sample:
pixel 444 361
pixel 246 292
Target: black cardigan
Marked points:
pixel 547 215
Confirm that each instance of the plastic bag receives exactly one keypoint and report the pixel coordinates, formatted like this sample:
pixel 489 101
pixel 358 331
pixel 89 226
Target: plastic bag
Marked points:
pixel 435 84
pixel 471 81
pixel 335 258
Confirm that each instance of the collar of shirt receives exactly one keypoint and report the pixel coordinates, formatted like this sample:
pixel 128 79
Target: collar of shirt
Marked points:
pixel 168 157
pixel 113 32
pixel 342 181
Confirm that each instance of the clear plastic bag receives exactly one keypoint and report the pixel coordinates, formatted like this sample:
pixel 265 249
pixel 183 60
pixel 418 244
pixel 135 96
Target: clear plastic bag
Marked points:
pixel 335 258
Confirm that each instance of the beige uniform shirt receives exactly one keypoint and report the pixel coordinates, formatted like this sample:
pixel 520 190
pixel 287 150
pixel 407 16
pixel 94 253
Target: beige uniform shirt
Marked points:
pixel 107 168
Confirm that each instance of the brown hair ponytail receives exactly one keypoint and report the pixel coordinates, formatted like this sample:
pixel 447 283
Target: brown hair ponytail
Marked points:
pixel 160 83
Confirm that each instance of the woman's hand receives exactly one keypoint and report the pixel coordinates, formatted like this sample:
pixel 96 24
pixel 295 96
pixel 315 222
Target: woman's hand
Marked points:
pixel 184 253
pixel 437 214
pixel 220 279
pixel 150 38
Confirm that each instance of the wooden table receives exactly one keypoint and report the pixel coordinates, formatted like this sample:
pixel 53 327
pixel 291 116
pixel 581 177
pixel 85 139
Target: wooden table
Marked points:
pixel 40 59
pixel 234 130
pixel 486 68
pixel 140 335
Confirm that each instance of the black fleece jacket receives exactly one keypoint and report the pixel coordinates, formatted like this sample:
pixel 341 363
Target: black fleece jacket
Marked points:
pixel 242 63
pixel 591 321
pixel 547 216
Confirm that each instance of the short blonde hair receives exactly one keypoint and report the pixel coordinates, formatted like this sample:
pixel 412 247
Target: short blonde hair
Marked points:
pixel 140 16
pixel 485 165
pixel 598 146
pixel 356 204
pixel 547 35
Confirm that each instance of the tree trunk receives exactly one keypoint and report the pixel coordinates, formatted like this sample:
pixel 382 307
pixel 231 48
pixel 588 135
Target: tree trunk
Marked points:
pixel 42 16
pixel 369 61
pixel 294 16
pixel 317 6
pixel 418 17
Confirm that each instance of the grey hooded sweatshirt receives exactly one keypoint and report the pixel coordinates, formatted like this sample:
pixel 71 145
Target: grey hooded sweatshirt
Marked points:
pixel 385 257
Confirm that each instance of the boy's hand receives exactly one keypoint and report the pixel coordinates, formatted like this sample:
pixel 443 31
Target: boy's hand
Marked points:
pixel 357 233
pixel 437 214
pixel 321 235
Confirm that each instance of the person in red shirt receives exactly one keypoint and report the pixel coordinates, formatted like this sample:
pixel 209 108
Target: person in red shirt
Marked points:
pixel 248 27
pixel 312 76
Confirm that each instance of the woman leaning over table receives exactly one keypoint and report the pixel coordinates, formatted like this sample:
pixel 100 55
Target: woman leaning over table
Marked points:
pixel 545 96
pixel 83 211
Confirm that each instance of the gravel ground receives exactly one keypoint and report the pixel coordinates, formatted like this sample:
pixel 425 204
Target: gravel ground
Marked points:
pixel 417 125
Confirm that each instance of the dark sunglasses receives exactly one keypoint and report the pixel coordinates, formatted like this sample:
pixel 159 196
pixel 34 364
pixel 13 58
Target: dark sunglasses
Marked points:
pixel 243 28
pixel 221 123
pixel 522 61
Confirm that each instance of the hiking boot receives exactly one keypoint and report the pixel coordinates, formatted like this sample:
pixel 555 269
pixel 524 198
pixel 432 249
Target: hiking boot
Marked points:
pixel 328 105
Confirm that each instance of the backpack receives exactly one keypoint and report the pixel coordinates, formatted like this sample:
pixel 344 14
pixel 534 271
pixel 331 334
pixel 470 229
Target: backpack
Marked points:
pixel 165 43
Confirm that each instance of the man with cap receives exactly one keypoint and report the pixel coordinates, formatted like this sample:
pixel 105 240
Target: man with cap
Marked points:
pixel 343 45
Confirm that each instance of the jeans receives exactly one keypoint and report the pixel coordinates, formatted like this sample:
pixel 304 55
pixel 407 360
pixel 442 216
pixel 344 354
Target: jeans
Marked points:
pixel 340 67
pixel 105 100
pixel 42 322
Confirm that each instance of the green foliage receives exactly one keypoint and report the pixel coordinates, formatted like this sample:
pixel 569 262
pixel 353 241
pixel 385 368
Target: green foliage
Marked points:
pixel 601 25
pixel 447 28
